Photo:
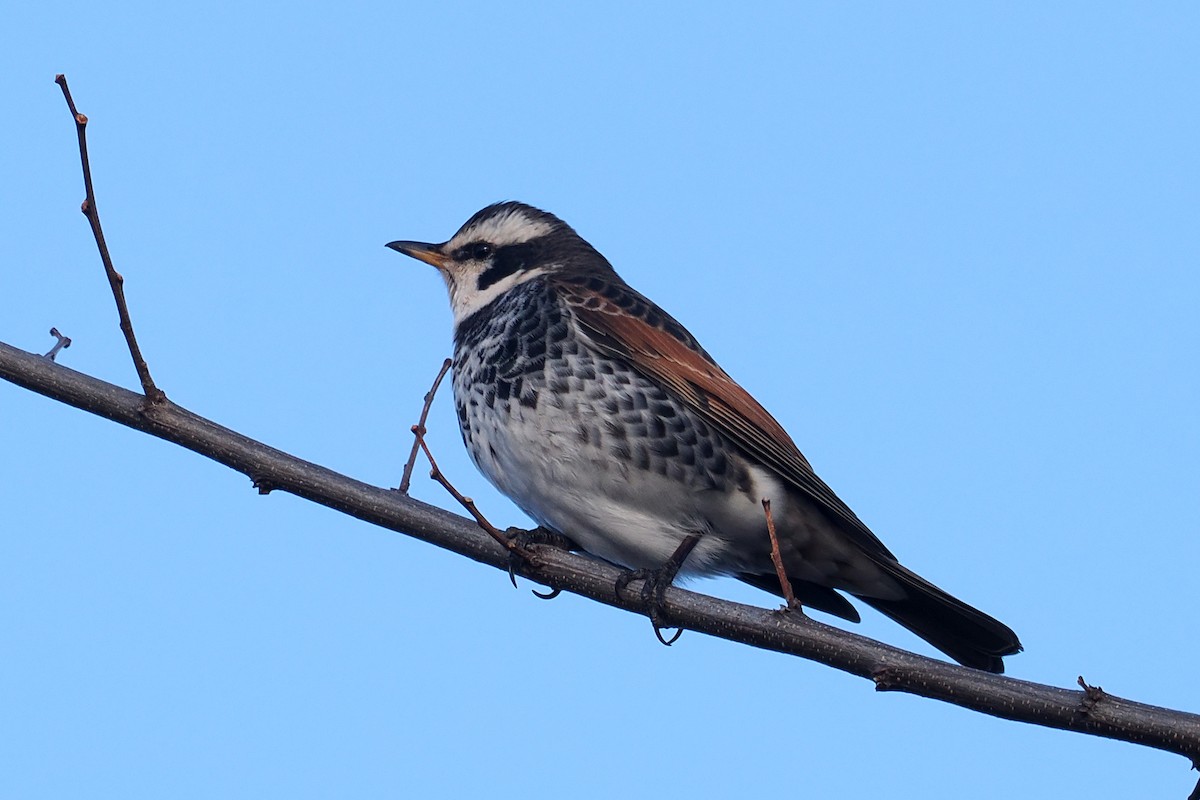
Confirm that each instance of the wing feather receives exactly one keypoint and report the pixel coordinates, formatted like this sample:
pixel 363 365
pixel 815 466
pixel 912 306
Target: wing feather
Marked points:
pixel 627 326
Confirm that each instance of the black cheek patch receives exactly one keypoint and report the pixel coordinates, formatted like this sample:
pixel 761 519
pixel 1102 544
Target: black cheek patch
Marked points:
pixel 507 261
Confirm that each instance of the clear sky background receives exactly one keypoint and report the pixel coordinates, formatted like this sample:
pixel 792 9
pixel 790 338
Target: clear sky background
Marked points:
pixel 953 247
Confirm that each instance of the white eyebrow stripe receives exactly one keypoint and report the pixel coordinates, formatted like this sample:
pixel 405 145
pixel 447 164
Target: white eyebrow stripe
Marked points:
pixel 512 227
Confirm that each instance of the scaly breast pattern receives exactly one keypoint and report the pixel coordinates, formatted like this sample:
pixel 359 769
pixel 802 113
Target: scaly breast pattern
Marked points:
pixel 581 442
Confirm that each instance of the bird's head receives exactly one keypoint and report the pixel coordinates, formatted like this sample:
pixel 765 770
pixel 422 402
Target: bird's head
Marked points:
pixel 500 247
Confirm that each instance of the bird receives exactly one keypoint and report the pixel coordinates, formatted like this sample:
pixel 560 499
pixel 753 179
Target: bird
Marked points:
pixel 605 421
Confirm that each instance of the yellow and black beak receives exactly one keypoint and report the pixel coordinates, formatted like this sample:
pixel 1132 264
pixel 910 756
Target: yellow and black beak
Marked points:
pixel 429 253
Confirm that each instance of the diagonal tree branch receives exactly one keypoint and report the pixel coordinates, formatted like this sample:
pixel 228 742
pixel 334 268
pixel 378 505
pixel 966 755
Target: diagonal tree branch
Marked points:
pixel 1091 711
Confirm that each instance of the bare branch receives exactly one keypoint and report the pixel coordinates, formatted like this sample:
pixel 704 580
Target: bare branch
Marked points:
pixel 512 543
pixel 115 280
pixel 777 558
pixel 892 669
pixel 467 503
pixel 419 429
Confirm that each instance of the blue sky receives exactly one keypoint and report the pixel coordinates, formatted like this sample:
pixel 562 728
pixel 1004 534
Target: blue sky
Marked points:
pixel 952 247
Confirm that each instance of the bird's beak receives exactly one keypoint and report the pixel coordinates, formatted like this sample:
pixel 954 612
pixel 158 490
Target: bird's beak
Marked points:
pixel 429 253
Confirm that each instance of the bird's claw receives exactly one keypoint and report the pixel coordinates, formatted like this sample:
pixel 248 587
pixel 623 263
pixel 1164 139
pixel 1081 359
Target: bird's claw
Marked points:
pixel 653 597
pixel 518 552
pixel 658 629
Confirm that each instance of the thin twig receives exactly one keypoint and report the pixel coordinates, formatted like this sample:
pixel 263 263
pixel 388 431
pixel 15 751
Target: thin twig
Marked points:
pixel 406 477
pixel 517 552
pixel 435 472
pixel 115 280
pixel 62 344
pixel 777 557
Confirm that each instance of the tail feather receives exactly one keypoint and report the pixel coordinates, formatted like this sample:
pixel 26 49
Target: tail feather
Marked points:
pixel 964 633
pixel 808 594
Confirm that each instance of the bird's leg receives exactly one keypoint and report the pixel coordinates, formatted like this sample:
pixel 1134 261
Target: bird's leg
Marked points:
pixel 655 583
pixel 522 539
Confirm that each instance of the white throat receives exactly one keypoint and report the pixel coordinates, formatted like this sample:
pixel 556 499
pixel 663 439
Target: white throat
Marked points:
pixel 466 300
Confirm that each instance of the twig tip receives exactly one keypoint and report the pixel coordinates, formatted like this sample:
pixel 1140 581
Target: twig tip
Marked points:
pixel 63 343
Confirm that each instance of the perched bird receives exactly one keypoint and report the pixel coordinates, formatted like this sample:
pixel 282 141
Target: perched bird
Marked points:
pixel 606 421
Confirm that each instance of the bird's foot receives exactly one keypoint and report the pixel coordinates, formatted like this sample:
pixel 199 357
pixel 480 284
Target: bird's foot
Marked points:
pixel 519 552
pixel 539 535
pixel 653 596
pixel 654 587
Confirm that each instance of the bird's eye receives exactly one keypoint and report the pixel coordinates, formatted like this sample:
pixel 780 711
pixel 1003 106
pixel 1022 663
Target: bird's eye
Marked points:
pixel 480 251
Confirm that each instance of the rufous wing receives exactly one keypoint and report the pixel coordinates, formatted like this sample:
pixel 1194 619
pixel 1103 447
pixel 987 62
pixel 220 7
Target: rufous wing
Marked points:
pixel 627 326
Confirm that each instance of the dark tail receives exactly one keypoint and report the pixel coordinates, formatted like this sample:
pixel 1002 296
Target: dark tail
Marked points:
pixel 966 634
